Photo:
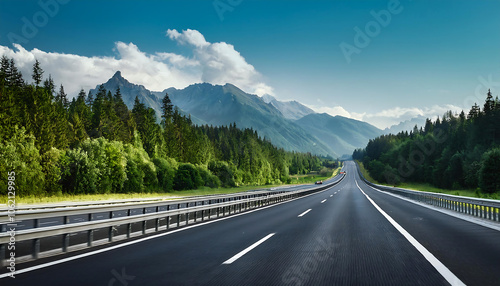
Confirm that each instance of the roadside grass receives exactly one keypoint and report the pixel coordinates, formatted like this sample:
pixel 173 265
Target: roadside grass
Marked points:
pixel 21 200
pixel 424 187
pixel 365 172
pixel 464 193
pixel 312 177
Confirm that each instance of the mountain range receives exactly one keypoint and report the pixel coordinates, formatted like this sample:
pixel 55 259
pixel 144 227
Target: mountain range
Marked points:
pixel 289 125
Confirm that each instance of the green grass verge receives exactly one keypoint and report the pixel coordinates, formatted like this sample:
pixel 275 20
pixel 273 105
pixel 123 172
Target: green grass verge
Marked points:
pixel 103 197
pixel 424 187
pixel 464 193
pixel 365 173
pixel 170 195
pixel 311 178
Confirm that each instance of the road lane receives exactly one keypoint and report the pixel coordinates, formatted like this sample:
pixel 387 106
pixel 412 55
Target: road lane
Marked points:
pixel 469 250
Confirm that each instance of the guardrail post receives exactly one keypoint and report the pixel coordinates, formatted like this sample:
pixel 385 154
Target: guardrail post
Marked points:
pixel 178 220
pixel 36 223
pixel 90 237
pixel 66 219
pixel 187 218
pixel 129 230
pixel 110 234
pixel 3 259
pixel 36 248
pixel 203 211
pixel 65 242
pixel 157 224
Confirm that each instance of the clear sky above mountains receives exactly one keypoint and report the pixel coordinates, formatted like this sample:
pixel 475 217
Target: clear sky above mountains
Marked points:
pixel 379 61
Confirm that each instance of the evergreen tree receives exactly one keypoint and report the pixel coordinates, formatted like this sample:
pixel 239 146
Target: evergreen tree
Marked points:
pixel 62 98
pixel 167 110
pixel 37 73
pixel 489 105
pixel 49 85
pixel 15 77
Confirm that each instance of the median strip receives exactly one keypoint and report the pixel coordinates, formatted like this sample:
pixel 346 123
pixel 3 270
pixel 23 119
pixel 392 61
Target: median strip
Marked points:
pixel 248 249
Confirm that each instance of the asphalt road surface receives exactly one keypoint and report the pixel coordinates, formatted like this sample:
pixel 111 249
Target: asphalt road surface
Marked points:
pixel 349 234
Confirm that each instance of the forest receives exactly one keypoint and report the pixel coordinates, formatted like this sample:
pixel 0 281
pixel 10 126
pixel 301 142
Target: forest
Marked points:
pixel 93 144
pixel 458 151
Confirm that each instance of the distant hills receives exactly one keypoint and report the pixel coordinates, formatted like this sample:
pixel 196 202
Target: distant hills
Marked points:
pixel 343 134
pixel 289 125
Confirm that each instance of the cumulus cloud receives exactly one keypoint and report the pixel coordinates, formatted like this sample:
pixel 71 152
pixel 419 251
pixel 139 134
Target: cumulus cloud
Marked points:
pixel 220 63
pixel 216 63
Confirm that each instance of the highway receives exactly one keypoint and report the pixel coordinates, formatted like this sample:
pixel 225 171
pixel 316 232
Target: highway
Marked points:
pixel 349 234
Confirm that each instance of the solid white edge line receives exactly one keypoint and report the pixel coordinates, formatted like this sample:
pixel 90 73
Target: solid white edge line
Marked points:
pixel 246 250
pixel 48 264
pixel 440 267
pixel 489 224
pixel 304 213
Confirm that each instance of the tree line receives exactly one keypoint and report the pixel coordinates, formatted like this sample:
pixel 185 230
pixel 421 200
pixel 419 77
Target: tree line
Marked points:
pixel 94 144
pixel 454 152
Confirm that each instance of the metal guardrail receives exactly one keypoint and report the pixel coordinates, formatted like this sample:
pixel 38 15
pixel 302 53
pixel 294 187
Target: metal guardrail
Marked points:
pixel 481 208
pixel 175 214
pixel 26 214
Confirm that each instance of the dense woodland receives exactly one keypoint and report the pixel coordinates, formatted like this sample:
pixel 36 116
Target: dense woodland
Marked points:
pixel 95 144
pixel 454 152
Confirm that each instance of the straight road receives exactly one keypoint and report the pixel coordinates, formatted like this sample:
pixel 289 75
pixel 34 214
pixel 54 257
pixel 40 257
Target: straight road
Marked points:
pixel 349 234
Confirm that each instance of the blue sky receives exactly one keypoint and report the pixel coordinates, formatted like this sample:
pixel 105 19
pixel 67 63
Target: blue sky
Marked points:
pixel 429 56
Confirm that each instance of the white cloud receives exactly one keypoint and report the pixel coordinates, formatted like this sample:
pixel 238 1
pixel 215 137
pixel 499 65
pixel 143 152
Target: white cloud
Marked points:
pixel 221 63
pixel 392 116
pixel 188 36
pixel 333 111
pixel 216 63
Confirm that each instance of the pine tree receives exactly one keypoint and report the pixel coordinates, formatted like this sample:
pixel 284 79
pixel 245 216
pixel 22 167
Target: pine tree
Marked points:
pixel 37 73
pixel 62 98
pixel 125 123
pixel 489 104
pixel 167 109
pixel 90 99
pixel 49 85
pixel 474 112
pixel 15 77
pixel 4 69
